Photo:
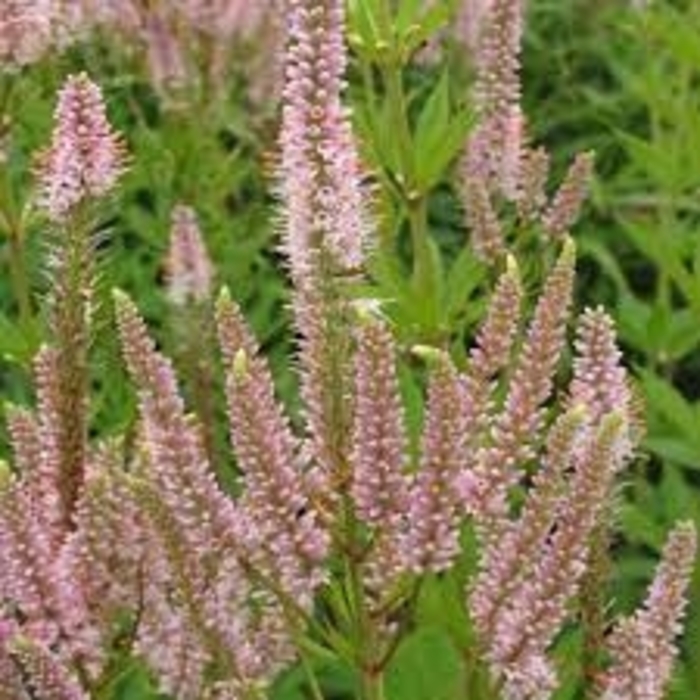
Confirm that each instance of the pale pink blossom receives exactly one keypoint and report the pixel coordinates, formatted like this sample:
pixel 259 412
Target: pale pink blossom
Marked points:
pixel 188 266
pixel 495 148
pixel 319 178
pixel 565 207
pixel 25 32
pixel 515 429
pixel 431 542
pixel 293 544
pixel 86 156
pixel 643 646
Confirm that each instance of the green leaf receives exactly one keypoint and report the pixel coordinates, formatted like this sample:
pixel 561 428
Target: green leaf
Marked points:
pixel 364 26
pixel 426 667
pixel 682 335
pixel 434 116
pixel 17 344
pixel 675 450
pixel 134 684
pixel 640 526
pixel 441 604
pixel 440 135
pixel 464 277
pixel 666 400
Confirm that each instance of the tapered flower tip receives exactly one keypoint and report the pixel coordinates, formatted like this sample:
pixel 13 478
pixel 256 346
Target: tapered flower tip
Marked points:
pixel 566 204
pixel 86 157
pixel 240 364
pixel 368 310
pixel 512 267
pixel 120 298
pixel 429 354
pixel 224 297
pixel 188 266
pixel 5 475
pixel 643 646
pixel 568 252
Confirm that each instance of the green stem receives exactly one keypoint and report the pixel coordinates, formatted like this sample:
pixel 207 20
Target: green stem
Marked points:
pixel 372 685
pixel 18 274
pixel 7 84
pixel 418 219
pixel 314 687
pixel 368 654
pixel 70 311
pixel 414 198
pixel 10 220
pixel 593 605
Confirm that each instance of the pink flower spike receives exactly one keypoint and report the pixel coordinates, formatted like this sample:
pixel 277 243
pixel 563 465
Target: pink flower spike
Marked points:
pixel 600 382
pixel 25 32
pixel 495 149
pixel 515 428
pixel 293 543
pixel 188 266
pixel 470 21
pixel 319 178
pixel 46 673
pixel 379 488
pixel 643 646
pixel 86 157
pixel 565 207
pixel 432 540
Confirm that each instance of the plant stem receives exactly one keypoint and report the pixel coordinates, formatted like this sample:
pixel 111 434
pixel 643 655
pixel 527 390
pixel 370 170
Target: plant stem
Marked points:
pixel 368 655
pixel 414 198
pixel 314 687
pixel 18 274
pixel 418 218
pixel 8 217
pixel 372 685
pixel 593 602
pixel 70 317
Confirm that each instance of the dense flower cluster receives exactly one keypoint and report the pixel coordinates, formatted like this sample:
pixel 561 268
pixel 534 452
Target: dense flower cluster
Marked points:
pixel 25 32
pixel 86 157
pixel 499 164
pixel 188 267
pixel 324 220
pixel 642 646
pixel 31 28
pixel 179 38
pixel 319 174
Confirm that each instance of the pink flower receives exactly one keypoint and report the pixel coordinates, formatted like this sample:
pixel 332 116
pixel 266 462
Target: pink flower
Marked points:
pixel 495 148
pixel 643 646
pixel 470 21
pixel 518 619
pixel 86 157
pixel 188 266
pixel 431 542
pixel 565 207
pixel 323 203
pixel 517 425
pixel 293 544
pixel 379 487
pixel 25 32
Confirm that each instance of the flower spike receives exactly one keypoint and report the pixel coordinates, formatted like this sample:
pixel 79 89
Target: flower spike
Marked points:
pixel 86 156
